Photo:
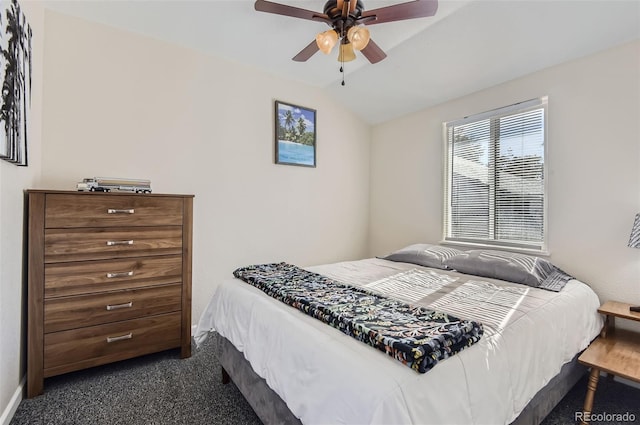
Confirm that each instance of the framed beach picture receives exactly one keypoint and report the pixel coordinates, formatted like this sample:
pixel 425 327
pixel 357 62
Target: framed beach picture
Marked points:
pixel 295 137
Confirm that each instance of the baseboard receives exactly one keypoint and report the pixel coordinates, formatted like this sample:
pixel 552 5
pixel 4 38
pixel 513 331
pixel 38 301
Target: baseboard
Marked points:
pixel 11 408
pixel 627 382
pixel 193 329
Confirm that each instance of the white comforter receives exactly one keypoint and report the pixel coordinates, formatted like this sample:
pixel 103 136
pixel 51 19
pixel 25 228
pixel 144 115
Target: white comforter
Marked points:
pixel 326 377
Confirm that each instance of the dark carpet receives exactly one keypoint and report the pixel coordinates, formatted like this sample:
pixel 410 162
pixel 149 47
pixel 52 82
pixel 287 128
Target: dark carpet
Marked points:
pixel 163 389
pixel 614 403
pixel 155 389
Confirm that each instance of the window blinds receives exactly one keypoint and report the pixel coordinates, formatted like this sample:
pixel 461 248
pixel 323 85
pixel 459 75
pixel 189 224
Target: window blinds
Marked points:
pixel 495 192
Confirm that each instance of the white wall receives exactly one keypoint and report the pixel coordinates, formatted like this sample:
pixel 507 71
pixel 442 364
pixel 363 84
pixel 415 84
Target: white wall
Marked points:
pixel 13 180
pixel 593 160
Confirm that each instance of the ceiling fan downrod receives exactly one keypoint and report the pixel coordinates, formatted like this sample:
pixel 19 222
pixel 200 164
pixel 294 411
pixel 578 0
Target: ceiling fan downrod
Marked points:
pixel 349 13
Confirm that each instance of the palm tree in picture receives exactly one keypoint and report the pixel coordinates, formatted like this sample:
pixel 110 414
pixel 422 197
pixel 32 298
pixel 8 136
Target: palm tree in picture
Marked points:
pixel 302 127
pixel 25 36
pixel 4 144
pixel 288 123
pixel 8 100
pixel 6 110
pixel 12 79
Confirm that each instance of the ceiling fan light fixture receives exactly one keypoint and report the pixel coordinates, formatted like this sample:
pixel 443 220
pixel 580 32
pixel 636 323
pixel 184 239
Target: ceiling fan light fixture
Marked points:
pixel 347 19
pixel 346 53
pixel 326 40
pixel 359 37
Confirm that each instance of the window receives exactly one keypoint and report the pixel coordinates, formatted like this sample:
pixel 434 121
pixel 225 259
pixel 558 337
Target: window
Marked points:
pixel 495 177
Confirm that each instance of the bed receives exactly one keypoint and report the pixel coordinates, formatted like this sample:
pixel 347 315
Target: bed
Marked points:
pixel 293 368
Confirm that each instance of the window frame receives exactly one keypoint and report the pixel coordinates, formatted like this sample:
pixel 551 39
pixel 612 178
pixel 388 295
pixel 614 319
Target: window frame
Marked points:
pixel 539 248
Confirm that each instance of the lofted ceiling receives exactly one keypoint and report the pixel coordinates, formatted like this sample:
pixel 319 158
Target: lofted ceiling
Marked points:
pixel 467 46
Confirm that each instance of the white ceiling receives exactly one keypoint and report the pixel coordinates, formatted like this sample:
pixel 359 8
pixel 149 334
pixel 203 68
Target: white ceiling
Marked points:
pixel 467 46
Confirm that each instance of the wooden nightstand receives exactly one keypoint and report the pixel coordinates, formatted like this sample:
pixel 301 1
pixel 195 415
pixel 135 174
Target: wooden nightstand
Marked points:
pixel 615 351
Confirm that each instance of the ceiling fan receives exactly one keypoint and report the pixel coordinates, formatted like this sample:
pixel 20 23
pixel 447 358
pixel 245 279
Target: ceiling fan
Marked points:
pixel 346 19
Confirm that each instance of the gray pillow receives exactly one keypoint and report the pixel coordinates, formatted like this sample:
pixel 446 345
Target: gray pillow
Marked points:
pixel 518 268
pixel 424 255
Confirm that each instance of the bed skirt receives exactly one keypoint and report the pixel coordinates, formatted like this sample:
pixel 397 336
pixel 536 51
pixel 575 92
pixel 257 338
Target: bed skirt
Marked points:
pixel 272 410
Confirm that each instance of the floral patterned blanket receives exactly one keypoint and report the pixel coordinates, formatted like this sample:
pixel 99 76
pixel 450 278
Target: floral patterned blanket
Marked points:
pixel 414 335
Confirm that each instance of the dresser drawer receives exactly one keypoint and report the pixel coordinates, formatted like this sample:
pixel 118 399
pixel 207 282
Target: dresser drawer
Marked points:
pixel 89 310
pixel 86 347
pixel 107 243
pixel 76 278
pixel 102 210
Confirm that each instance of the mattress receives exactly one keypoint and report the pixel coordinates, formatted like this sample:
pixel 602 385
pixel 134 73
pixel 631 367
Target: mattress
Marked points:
pixel 325 376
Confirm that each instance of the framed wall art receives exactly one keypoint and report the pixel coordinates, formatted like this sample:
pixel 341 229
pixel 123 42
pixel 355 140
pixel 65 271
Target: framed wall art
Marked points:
pixel 15 75
pixel 295 135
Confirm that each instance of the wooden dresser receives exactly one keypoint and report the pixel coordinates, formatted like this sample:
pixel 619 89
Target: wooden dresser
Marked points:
pixel 109 278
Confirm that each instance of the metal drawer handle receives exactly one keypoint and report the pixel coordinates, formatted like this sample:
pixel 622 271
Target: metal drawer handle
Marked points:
pixel 113 243
pixel 119 338
pixel 119 306
pixel 117 211
pixel 120 274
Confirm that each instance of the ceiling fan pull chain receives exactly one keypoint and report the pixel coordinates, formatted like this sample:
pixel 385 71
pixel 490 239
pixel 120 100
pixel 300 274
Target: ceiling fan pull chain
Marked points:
pixel 341 54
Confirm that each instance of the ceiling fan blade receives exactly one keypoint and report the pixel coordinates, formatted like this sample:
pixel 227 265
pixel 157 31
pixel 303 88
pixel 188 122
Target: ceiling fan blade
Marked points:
pixel 285 10
pixel 373 52
pixel 400 12
pixel 307 52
